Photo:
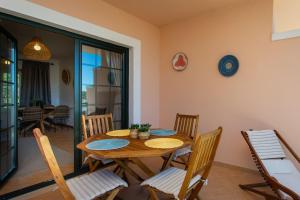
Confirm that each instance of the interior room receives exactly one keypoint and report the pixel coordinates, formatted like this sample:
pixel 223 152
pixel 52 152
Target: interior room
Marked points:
pixel 168 99
pixel 50 110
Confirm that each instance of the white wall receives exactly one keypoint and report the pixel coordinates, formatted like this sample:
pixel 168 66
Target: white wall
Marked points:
pixel 67 91
pixel 54 71
pixel 286 15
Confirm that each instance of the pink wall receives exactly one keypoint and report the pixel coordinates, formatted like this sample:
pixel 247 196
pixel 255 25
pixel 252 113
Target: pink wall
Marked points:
pixel 103 14
pixel 262 95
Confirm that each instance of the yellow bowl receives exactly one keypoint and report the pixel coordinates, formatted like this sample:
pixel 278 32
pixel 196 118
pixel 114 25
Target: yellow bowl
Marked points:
pixel 163 143
pixel 118 133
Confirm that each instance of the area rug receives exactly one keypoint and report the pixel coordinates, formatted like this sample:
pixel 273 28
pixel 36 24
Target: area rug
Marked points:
pixel 31 161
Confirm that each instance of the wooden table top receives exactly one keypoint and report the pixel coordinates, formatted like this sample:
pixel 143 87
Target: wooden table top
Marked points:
pixel 135 149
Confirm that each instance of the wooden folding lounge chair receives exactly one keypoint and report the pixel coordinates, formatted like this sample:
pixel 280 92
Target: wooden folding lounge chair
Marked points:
pixel 278 171
pixel 186 124
pixel 186 184
pixel 95 125
pixel 84 187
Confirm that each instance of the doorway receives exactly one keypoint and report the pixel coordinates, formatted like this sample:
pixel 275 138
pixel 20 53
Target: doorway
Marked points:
pixel 107 66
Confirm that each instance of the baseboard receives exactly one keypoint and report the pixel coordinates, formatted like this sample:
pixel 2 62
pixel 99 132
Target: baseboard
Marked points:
pixel 234 167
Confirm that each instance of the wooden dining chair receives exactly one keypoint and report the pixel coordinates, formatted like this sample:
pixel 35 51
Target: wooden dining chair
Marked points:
pixel 96 125
pixel 188 125
pixel 32 117
pixel 186 184
pixel 84 187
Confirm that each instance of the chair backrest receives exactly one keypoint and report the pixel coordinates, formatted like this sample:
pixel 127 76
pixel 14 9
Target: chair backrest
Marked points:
pixel 266 144
pixel 201 159
pixel 47 153
pixel 187 124
pixel 62 111
pixel 32 114
pixel 96 124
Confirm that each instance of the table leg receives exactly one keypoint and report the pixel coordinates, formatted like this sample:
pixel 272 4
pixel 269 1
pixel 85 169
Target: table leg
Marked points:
pixel 168 161
pixel 143 167
pixel 123 164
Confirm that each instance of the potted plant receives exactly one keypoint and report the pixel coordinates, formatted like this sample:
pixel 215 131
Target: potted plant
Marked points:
pixel 144 131
pixel 134 130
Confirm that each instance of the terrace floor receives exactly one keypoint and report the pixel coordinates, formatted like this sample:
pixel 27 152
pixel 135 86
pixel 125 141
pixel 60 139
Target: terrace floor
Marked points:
pixel 222 184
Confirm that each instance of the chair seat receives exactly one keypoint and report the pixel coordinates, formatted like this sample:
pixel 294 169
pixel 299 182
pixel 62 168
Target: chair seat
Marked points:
pixel 103 160
pixel 89 186
pixel 286 173
pixel 170 181
pixel 181 152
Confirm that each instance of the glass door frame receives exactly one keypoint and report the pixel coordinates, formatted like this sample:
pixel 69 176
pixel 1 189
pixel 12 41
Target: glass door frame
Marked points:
pixel 79 39
pixel 15 104
pixel 78 89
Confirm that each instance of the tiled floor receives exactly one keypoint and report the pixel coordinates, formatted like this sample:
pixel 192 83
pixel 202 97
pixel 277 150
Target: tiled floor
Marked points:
pixel 223 184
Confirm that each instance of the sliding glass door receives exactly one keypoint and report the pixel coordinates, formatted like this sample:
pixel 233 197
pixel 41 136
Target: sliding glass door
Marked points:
pixel 8 126
pixel 105 83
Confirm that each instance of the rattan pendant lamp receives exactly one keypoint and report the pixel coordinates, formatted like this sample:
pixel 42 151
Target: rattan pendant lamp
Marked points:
pixel 35 49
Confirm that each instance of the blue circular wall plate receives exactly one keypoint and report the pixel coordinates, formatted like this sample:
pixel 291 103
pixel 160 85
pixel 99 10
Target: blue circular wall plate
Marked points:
pixel 228 65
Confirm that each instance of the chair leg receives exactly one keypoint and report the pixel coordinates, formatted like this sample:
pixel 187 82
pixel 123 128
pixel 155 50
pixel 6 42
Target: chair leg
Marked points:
pixel 195 191
pixel 153 195
pixel 113 194
pixel 116 170
pixel 93 166
pixel 164 164
pixel 251 188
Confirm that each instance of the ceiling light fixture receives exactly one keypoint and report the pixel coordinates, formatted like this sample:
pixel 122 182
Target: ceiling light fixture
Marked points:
pixel 35 49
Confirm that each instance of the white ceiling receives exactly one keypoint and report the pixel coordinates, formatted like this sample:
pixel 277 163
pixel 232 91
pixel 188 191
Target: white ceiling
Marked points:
pixel 162 12
pixel 60 45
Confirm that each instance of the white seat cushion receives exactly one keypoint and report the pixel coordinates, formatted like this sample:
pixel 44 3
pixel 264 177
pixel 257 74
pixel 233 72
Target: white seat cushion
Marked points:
pixel 182 152
pixel 104 161
pixel 266 144
pixel 170 181
pixel 286 173
pixel 89 186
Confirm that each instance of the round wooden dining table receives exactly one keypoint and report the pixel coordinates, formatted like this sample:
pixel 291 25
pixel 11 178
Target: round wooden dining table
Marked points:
pixel 135 150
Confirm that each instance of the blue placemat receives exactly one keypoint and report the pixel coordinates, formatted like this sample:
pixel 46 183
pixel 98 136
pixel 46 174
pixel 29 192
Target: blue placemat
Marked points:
pixel 162 132
pixel 107 144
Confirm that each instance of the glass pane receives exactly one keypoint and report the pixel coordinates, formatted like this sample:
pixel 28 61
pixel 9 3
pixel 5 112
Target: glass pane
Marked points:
pixel 4 121
pixel 10 116
pixel 115 60
pixel 4 93
pixel 88 75
pixel 115 77
pixel 90 57
pixel 117 112
pixel 101 82
pixel 117 93
pixel 12 137
pixel 117 125
pixel 10 50
pixel 7 70
pixel 101 76
pixel 90 95
pixel 10 93
pixel 4 69
pixel 103 96
pixel 4 142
